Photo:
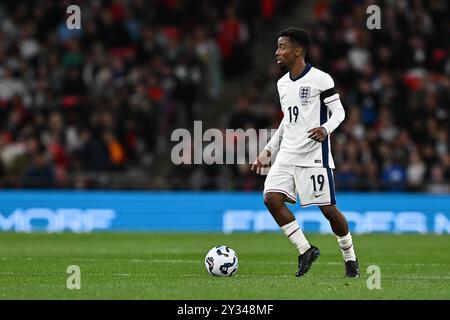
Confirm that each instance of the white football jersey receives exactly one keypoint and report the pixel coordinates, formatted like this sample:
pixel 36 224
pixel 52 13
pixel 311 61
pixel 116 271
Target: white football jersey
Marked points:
pixel 307 102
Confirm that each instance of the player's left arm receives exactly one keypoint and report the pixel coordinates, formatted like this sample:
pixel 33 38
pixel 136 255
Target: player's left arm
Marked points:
pixel 332 100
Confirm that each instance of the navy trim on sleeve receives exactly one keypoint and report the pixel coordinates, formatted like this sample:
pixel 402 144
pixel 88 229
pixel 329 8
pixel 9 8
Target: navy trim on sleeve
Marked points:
pixel 327 93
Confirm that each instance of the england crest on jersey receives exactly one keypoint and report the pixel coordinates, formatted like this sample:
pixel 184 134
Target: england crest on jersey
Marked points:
pixel 304 94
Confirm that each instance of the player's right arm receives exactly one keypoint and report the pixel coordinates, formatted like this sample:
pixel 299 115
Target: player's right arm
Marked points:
pixel 264 158
pixel 274 144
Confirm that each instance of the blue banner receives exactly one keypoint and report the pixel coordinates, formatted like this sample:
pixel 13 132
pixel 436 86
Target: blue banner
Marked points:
pixel 88 211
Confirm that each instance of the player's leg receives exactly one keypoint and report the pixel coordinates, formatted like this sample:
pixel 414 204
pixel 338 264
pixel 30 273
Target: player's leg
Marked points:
pixel 285 219
pixel 316 187
pixel 337 220
pixel 323 188
pixel 308 253
pixel 279 188
pixel 340 228
pixel 275 202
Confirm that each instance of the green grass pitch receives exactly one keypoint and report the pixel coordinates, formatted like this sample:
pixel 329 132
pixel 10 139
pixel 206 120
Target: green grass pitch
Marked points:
pixel 171 266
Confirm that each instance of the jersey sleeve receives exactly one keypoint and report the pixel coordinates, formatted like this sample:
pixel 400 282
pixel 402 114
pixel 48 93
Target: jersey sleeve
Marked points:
pixel 274 144
pixel 326 83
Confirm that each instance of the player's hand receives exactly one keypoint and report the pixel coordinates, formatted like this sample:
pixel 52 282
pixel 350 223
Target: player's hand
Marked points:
pixel 262 161
pixel 317 134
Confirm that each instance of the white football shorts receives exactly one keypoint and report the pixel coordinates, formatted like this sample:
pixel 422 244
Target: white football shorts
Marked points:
pixel 314 185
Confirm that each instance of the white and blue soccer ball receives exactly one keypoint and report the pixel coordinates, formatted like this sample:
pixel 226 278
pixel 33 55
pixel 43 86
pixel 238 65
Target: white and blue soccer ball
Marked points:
pixel 221 261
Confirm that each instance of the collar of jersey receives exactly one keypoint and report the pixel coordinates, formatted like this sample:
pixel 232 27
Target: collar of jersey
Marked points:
pixel 304 72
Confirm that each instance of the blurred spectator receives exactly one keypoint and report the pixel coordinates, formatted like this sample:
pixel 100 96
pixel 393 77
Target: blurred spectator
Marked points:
pixel 437 183
pixel 232 38
pixel 415 172
pixel 39 172
pixel 94 152
pixel 244 116
pixel 208 51
pixel 393 177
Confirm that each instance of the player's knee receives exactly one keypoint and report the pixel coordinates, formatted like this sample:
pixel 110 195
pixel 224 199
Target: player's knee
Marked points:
pixel 330 212
pixel 273 201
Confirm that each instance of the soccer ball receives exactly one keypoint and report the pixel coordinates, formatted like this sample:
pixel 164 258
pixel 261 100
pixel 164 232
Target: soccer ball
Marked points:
pixel 221 261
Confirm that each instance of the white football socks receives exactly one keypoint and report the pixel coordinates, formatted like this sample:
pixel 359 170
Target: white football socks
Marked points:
pixel 295 234
pixel 346 245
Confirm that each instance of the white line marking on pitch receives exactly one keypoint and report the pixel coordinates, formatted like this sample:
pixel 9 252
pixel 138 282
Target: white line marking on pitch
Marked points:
pixel 332 263
pixel 240 276
pixel 291 263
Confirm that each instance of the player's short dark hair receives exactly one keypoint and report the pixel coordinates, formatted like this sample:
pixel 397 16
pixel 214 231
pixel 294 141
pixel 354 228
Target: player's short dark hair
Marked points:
pixel 298 36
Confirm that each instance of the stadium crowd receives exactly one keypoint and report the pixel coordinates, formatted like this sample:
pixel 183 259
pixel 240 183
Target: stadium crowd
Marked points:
pixel 105 98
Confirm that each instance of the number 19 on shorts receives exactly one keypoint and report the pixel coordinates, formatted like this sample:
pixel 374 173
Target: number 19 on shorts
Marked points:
pixel 320 182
